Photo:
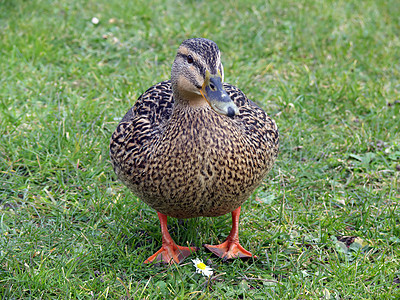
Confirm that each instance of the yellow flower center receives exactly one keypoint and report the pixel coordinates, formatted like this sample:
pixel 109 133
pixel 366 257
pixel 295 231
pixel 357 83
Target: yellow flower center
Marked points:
pixel 201 266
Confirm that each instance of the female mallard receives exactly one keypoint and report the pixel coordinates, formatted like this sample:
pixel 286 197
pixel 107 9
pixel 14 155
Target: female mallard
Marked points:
pixel 194 146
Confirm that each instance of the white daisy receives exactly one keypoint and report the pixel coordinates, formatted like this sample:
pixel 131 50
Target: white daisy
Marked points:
pixel 202 267
pixel 95 21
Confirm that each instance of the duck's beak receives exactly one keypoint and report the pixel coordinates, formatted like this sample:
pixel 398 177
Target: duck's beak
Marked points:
pixel 215 94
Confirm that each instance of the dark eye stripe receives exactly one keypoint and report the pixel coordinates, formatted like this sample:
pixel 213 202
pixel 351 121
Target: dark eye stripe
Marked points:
pixel 195 63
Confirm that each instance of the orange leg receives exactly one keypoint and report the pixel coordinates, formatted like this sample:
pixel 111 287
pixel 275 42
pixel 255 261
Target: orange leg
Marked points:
pixel 231 248
pixel 169 250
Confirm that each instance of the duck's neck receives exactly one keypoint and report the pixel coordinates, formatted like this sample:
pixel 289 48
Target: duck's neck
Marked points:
pixel 189 110
pixel 188 99
pixel 193 110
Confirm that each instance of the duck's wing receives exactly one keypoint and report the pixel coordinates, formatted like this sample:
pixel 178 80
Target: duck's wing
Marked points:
pixel 141 124
pixel 257 125
pixel 155 104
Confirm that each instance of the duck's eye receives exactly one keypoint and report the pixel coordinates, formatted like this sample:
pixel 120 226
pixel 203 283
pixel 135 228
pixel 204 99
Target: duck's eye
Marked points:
pixel 190 59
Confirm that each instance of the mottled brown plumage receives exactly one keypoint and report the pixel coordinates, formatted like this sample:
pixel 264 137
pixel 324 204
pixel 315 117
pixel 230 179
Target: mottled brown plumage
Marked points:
pixel 180 156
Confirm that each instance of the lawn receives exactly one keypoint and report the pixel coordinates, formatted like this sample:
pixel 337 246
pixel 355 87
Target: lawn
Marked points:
pixel 326 222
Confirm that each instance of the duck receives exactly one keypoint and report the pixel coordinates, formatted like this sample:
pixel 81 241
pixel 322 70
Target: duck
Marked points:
pixel 194 146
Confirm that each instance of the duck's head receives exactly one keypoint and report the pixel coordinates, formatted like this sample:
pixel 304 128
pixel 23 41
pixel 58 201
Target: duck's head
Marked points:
pixel 197 75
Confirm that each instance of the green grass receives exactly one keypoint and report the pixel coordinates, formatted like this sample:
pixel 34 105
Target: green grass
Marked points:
pixel 328 73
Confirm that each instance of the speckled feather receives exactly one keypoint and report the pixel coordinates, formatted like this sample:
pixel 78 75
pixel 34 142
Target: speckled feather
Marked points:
pixel 190 161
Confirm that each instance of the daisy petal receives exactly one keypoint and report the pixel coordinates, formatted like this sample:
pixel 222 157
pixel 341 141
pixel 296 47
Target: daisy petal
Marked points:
pixel 202 267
